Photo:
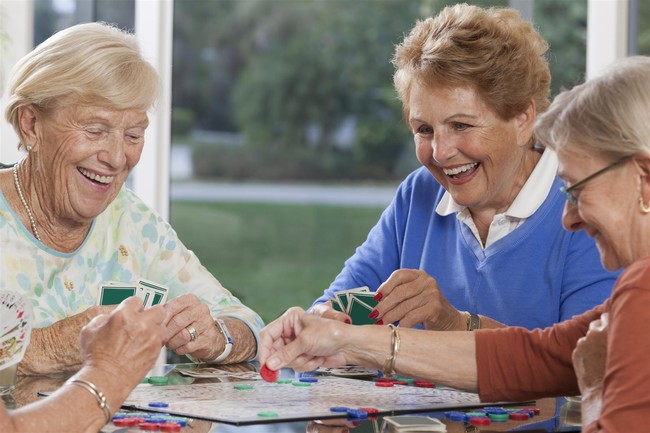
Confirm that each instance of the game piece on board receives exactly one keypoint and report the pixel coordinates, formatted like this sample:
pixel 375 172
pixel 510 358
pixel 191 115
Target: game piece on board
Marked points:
pixel 267 414
pixel 243 387
pixel 339 409
pixel 158 380
pixel 308 379
pixel 519 416
pixel 268 374
pixel 369 410
pixel 384 384
pixel 149 426
pixel 479 421
pixel 298 383
pixel 158 404
pixel 170 426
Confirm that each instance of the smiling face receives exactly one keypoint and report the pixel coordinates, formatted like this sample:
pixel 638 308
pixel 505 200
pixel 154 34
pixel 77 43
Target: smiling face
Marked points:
pixel 482 160
pixel 607 208
pixel 84 157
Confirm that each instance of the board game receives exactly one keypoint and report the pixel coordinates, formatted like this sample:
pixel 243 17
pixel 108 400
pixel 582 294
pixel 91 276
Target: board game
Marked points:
pixel 259 402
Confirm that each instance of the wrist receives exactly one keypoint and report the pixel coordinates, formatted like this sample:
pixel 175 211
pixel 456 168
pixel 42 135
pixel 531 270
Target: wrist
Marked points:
pixel 228 341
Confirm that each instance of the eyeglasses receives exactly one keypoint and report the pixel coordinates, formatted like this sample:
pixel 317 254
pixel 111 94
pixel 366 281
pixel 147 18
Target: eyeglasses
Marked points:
pixel 571 198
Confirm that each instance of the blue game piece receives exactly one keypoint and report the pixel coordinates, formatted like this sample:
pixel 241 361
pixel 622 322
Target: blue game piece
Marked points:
pixel 308 379
pixel 158 404
pixel 357 413
pixel 339 409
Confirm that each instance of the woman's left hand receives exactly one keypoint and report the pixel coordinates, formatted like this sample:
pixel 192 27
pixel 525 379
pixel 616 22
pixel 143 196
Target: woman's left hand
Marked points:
pixel 590 355
pixel 188 313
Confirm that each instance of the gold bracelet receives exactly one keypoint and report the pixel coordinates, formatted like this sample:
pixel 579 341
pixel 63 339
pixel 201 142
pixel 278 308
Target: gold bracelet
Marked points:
pixel 99 396
pixel 389 363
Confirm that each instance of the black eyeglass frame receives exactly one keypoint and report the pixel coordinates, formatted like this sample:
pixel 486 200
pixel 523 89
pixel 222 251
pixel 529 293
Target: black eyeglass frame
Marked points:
pixel 572 199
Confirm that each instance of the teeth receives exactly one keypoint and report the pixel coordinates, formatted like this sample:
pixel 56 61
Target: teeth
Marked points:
pixel 95 177
pixel 457 170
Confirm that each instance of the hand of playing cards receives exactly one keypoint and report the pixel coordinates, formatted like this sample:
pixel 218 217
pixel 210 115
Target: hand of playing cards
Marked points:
pixel 15 328
pixel 112 293
pixel 357 303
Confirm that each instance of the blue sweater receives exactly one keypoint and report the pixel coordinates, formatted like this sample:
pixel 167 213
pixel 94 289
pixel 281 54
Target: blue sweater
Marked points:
pixel 535 276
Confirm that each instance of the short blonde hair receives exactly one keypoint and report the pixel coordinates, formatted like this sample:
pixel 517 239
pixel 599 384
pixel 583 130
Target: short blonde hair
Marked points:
pixel 87 64
pixel 606 116
pixel 492 50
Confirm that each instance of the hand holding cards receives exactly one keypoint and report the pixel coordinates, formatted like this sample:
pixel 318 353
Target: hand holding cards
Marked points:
pixel 112 293
pixel 357 303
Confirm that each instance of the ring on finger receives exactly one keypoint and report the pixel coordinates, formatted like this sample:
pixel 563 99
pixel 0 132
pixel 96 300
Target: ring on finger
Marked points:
pixel 193 334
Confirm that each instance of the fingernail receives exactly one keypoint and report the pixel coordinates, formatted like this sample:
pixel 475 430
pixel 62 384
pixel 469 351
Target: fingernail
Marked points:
pixel 378 296
pixel 356 423
pixel 348 321
pixel 374 313
pixel 379 322
pixel 273 363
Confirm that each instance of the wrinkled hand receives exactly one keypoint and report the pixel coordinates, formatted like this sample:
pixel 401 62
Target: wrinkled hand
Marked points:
pixel 326 311
pixel 302 341
pixel 188 310
pixel 412 296
pixel 125 342
pixel 590 355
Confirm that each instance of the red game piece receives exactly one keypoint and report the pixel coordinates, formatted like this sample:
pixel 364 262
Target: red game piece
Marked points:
pixel 424 384
pixel 384 384
pixel 126 422
pixel 369 410
pixel 170 426
pixel 268 374
pixel 519 416
pixel 149 426
pixel 479 421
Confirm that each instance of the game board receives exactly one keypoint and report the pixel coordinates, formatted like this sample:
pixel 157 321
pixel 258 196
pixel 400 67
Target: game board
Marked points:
pixel 221 402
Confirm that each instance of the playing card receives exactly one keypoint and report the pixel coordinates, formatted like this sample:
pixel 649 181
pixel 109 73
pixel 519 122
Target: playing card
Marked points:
pixel 15 326
pixel 359 312
pixel 112 294
pixel 154 293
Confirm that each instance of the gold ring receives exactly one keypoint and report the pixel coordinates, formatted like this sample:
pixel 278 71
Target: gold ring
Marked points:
pixel 192 331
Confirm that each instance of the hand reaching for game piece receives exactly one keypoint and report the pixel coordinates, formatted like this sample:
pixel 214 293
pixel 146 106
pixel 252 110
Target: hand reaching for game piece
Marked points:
pixel 302 341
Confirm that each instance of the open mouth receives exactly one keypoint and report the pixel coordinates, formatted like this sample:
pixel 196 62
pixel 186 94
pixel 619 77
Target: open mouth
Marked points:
pixel 102 180
pixel 461 171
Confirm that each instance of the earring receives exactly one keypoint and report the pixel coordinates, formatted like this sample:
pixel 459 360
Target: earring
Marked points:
pixel 644 208
pixel 29 148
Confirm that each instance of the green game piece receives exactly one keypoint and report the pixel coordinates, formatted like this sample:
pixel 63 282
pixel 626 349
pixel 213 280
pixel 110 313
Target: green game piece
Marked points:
pixel 298 383
pixel 281 381
pixel 267 414
pixel 242 387
pixel 158 380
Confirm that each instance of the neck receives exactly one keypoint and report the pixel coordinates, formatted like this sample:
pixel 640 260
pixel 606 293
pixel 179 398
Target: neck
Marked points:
pixel 23 200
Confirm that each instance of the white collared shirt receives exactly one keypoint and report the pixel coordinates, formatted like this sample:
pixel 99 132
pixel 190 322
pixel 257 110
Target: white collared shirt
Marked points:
pixel 529 199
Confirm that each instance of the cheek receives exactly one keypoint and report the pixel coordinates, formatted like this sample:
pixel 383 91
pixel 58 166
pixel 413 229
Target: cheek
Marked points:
pixel 133 155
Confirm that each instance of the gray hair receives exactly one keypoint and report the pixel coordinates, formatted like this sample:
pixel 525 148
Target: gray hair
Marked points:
pixel 86 64
pixel 606 116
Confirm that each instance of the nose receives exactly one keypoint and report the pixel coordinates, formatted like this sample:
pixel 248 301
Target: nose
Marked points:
pixel 571 218
pixel 113 152
pixel 442 148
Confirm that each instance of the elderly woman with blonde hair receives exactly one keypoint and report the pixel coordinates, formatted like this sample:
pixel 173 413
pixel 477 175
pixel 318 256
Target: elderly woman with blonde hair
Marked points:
pixel 79 103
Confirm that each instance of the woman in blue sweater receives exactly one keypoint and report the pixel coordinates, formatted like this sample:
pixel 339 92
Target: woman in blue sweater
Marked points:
pixel 474 237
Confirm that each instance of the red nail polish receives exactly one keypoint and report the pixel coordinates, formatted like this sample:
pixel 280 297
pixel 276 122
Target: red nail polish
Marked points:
pixel 348 321
pixel 378 297
pixel 374 313
pixel 379 322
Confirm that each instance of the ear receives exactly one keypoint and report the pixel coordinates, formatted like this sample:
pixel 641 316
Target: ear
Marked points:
pixel 642 167
pixel 27 121
pixel 524 122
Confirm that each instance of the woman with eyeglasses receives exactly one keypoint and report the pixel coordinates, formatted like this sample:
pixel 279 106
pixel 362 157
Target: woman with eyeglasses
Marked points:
pixel 601 134
pixel 473 238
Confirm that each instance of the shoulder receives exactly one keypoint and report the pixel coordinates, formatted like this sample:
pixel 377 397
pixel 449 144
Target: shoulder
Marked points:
pixel 421 183
pixel 636 275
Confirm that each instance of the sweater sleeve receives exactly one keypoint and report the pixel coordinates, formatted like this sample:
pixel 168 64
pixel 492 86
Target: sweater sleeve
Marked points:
pixel 515 364
pixel 625 398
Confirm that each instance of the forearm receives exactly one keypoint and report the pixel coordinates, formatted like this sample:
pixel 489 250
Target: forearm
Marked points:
pixel 52 349
pixel 422 354
pixel 53 414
